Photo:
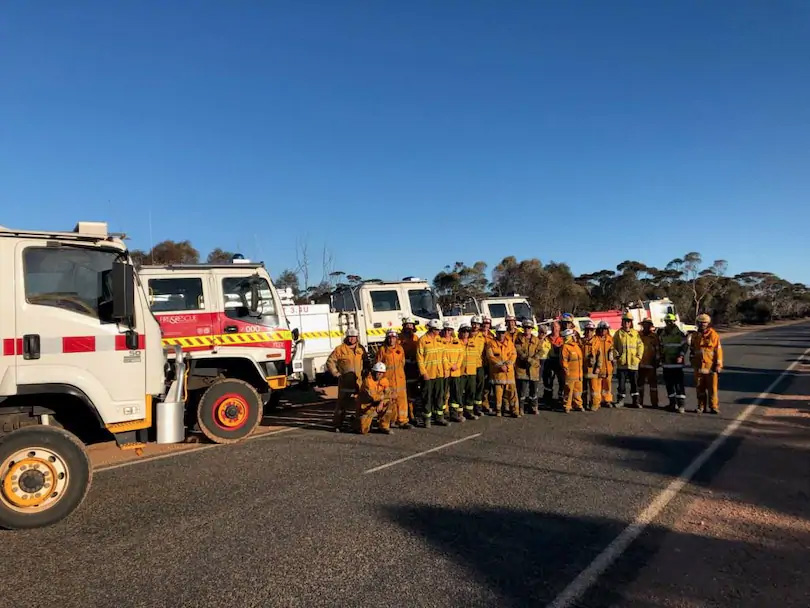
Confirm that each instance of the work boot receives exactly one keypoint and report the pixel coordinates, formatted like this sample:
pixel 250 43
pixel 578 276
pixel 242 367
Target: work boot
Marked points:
pixel 496 412
pixel 441 421
pixel 385 430
pixel 636 402
pixel 404 425
pixel 470 414
pixel 619 401
pixel 681 401
pixel 673 403
pixel 454 416
pixel 714 411
pixel 426 422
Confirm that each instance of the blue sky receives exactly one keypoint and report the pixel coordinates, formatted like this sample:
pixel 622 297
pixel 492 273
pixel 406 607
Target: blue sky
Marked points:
pixel 404 136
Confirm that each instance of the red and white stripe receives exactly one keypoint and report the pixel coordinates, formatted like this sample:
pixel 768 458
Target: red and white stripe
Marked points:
pixel 73 344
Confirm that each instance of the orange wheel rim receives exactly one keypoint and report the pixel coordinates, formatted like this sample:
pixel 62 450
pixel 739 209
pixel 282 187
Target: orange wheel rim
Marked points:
pixel 231 412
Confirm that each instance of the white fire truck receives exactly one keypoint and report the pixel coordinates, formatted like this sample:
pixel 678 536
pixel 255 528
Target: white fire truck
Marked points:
pixel 229 323
pixel 495 307
pixel 81 354
pixel 372 307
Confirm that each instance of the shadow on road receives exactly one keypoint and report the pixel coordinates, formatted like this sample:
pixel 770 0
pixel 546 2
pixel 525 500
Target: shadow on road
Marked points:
pixel 528 557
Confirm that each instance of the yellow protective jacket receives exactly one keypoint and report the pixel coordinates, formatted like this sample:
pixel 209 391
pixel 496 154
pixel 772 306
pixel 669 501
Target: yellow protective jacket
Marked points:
pixel 652 350
pixel 571 359
pixel 592 357
pixel 394 359
pixel 673 347
pixel 472 358
pixel 529 350
pixel 453 357
pixel 347 364
pixel 501 353
pixel 629 349
pixel 430 356
pixel 479 343
pixel 604 346
pixel 707 352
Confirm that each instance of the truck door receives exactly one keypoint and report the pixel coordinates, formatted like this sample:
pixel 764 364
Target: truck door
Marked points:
pixel 383 309
pixel 64 332
pixel 181 304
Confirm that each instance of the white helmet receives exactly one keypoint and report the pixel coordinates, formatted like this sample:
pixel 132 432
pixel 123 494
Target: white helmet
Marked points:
pixel 567 333
pixel 464 327
pixel 391 332
pixel 510 318
pixel 447 325
pixel 590 325
pixel 378 367
pixel 352 333
pixel 500 328
pixel 603 325
pixel 475 319
pixel 406 320
pixel 486 319
pixel 528 323
pixel 434 324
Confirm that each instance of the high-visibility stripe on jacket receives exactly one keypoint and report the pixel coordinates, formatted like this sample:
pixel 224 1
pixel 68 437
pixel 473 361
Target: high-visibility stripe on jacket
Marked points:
pixel 629 348
pixel 707 352
pixel 429 356
pixel 453 357
pixel 472 358
pixel 480 343
pixel 673 346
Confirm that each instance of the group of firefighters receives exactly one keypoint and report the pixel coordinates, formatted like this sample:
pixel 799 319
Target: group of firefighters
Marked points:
pixel 447 376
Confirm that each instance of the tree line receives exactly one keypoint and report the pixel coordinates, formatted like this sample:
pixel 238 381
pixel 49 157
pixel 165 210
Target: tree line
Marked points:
pixel 693 285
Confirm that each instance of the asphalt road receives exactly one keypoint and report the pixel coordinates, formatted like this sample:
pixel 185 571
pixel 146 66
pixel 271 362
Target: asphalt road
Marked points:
pixel 509 517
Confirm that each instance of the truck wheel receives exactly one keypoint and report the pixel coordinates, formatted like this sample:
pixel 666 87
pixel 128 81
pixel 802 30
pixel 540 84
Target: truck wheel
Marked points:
pixel 229 411
pixel 44 476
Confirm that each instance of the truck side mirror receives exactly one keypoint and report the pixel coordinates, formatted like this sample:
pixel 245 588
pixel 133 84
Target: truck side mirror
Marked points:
pixel 123 288
pixel 254 297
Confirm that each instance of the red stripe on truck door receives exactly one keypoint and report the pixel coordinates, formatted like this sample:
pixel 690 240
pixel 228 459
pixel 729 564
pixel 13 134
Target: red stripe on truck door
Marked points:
pixel 79 344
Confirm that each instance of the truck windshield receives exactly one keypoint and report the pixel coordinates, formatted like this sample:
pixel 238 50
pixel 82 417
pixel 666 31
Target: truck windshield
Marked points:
pixel 238 297
pixel 523 310
pixel 423 303
pixel 78 279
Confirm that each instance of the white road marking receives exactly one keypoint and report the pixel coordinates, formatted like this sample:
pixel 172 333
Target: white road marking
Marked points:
pixel 207 446
pixel 417 455
pixel 585 580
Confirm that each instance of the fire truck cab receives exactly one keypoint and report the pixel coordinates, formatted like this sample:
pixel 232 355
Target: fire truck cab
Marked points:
pixel 229 323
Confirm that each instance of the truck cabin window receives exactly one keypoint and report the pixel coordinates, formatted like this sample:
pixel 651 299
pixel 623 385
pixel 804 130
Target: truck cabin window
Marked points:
pixel 384 301
pixel 497 311
pixel 76 279
pixel 178 294
pixel 239 293
pixel 423 303
pixel 522 311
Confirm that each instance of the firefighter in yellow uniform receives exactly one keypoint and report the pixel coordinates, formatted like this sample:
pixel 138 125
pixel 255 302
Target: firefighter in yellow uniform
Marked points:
pixel 707 361
pixel 529 349
pixel 453 363
pixel 375 401
pixel 650 360
pixel 604 344
pixel 479 342
pixel 429 358
pixel 591 368
pixel 346 363
pixel 470 368
pixel 393 356
pixel 571 364
pixel 409 342
pixel 501 356
pixel 629 349
pixel 447 335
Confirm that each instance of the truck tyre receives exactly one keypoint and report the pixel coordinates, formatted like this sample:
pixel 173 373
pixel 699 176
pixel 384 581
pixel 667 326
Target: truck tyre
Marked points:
pixel 44 476
pixel 229 411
